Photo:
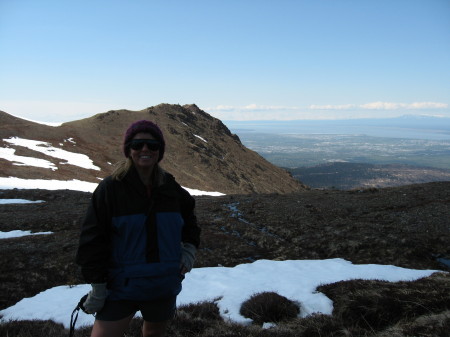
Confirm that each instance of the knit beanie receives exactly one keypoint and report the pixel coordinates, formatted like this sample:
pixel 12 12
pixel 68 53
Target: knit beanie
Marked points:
pixel 143 126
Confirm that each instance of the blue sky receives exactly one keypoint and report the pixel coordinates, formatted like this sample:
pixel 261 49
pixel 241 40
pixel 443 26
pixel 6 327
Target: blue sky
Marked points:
pixel 238 60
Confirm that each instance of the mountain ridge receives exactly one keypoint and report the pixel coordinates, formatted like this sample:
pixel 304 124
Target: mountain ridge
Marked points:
pixel 201 151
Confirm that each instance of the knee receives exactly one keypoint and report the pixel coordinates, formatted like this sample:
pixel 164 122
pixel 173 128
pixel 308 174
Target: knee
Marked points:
pixel 154 329
pixel 152 333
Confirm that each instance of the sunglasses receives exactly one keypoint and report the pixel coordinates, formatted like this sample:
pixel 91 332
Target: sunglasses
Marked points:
pixel 138 144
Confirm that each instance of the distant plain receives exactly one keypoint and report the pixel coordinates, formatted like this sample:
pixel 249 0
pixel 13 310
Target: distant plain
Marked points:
pixel 410 140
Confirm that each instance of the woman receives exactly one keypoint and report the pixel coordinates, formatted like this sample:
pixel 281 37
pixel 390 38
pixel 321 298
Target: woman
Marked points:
pixel 138 239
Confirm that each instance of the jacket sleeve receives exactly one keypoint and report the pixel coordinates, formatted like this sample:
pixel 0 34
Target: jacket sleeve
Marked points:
pixel 94 244
pixel 191 230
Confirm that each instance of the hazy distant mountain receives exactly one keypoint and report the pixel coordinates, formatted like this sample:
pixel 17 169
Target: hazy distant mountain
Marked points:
pixel 410 126
pixel 201 152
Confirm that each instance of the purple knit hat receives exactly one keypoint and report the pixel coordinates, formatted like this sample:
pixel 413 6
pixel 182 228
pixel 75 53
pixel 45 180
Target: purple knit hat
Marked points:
pixel 143 126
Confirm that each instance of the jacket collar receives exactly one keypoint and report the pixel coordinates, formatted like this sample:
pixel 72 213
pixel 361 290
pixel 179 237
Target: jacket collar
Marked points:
pixel 166 188
pixel 132 178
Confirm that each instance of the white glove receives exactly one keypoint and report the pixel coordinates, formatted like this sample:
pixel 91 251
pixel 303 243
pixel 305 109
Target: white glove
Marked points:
pixel 96 298
pixel 188 251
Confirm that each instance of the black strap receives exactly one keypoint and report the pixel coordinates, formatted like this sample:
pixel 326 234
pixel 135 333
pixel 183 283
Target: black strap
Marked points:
pixel 73 321
pixel 74 316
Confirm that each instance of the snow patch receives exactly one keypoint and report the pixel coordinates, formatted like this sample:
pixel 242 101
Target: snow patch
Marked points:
pixel 19 201
pixel 18 234
pixel 72 158
pixel 9 155
pixel 203 139
pixel 75 185
pixel 229 288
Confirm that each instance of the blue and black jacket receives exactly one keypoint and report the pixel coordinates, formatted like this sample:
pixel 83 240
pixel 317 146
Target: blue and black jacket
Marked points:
pixel 131 238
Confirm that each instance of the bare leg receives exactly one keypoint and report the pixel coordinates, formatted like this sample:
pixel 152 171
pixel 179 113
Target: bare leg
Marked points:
pixel 152 329
pixel 110 328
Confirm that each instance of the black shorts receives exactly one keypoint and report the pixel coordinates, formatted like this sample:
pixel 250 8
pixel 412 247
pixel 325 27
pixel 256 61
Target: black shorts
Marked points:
pixel 152 311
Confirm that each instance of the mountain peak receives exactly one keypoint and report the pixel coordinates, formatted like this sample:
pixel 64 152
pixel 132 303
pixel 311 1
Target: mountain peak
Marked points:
pixel 201 151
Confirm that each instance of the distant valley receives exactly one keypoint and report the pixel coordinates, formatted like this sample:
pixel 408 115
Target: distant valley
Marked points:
pixel 354 153
pixel 349 176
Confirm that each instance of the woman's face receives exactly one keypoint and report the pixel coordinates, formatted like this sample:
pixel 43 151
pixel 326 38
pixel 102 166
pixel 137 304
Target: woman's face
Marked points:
pixel 144 158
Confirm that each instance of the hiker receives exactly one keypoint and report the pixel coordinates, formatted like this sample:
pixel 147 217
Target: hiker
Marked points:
pixel 138 239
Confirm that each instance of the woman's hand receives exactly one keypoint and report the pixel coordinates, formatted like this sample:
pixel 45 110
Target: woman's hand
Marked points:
pixel 188 252
pixel 96 298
